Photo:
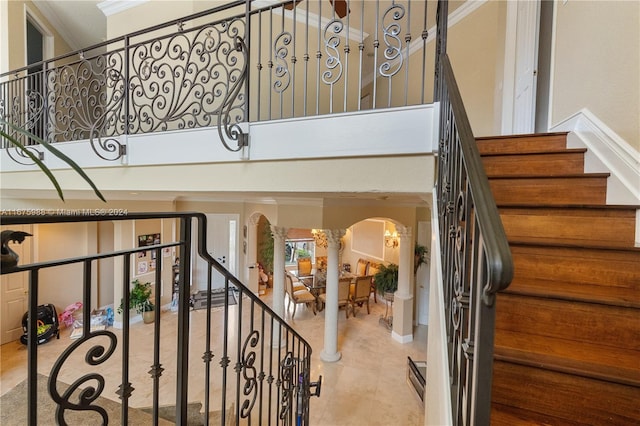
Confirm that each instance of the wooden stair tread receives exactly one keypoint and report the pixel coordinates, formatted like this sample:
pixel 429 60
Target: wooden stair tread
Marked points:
pixel 569 398
pixel 630 207
pixel 608 295
pixel 566 176
pixel 522 143
pixel 599 275
pixel 504 415
pixel 578 226
pixel 600 324
pixel 602 362
pixel 567 242
pixel 533 152
pixel 550 190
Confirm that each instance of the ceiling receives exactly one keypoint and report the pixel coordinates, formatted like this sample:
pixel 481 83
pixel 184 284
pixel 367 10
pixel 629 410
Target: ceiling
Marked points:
pixel 64 15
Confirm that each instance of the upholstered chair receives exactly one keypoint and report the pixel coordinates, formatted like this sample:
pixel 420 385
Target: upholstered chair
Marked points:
pixel 302 295
pixel 343 295
pixel 361 293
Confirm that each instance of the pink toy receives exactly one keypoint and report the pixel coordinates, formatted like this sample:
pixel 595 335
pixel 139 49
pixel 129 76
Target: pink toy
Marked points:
pixel 66 317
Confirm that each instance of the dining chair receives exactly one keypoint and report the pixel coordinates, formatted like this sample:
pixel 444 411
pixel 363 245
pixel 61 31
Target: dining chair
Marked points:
pixel 361 293
pixel 373 270
pixel 301 295
pixel 344 284
pixel 304 266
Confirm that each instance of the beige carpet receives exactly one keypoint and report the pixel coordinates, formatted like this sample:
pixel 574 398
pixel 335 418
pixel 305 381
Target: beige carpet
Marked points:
pixel 13 408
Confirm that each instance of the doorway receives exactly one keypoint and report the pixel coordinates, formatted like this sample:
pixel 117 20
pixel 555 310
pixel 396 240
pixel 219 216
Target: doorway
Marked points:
pixel 14 292
pixel 527 67
pixel 222 245
pixel 35 80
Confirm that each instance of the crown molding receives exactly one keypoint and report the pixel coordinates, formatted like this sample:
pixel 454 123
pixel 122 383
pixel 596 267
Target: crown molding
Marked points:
pixel 111 7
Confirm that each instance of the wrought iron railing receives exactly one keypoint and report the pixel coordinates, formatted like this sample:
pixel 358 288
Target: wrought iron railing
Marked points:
pixel 221 67
pixel 476 259
pixel 262 371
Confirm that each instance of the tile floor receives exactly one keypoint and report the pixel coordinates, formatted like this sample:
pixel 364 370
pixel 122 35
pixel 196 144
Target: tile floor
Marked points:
pixel 367 386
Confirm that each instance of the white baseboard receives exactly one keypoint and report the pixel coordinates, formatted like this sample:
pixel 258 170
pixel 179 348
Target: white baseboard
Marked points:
pixel 607 152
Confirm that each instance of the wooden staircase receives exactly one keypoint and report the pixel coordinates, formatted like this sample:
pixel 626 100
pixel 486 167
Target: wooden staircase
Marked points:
pixel 567 344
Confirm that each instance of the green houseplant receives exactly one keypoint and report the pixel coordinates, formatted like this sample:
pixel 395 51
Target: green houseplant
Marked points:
pixel 420 257
pixel 140 300
pixel 386 280
pixel 10 132
pixel 266 248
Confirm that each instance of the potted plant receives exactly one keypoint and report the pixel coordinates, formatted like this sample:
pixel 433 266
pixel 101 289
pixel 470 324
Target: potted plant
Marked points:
pixel 140 300
pixel 386 280
pixel 420 253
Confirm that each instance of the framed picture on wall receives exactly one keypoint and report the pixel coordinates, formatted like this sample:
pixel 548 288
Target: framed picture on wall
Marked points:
pixel 146 260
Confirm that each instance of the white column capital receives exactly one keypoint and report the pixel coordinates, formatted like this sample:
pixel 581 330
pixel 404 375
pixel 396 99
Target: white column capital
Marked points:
pixel 279 232
pixel 404 232
pixel 334 236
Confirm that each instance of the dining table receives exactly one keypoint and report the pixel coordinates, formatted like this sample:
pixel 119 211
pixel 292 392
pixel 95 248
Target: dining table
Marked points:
pixel 316 283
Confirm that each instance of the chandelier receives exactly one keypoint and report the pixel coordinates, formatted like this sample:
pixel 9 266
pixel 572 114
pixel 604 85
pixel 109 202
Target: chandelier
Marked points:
pixel 320 238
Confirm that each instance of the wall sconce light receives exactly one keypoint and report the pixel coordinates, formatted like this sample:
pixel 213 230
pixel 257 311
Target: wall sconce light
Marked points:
pixel 320 238
pixel 391 240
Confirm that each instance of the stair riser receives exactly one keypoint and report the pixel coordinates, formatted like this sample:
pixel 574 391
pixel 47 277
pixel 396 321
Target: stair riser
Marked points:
pixel 534 165
pixel 582 322
pixel 522 144
pixel 582 267
pixel 586 228
pixel 572 398
pixel 549 191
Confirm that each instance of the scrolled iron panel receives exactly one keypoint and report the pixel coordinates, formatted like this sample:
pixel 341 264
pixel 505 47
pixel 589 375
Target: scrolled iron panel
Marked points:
pixel 391 30
pixel 331 36
pixel 234 104
pixel 287 382
pixel 281 52
pixel 86 101
pixel 250 388
pixel 96 355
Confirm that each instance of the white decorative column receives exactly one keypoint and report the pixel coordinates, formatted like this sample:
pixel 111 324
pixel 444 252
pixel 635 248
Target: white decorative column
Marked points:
pixel 279 236
pixel 403 299
pixel 330 352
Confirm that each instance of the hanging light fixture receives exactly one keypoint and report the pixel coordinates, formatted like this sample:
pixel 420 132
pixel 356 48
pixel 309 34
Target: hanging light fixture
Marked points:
pixel 391 240
pixel 320 238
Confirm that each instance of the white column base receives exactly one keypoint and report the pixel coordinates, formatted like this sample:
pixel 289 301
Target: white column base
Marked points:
pixel 330 357
pixel 402 339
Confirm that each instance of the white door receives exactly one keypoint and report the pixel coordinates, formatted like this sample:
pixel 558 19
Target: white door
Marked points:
pixel 14 292
pixel 222 245
pixel 528 24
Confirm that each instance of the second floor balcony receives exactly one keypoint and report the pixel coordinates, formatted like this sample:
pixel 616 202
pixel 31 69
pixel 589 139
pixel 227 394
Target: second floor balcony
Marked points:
pixel 243 82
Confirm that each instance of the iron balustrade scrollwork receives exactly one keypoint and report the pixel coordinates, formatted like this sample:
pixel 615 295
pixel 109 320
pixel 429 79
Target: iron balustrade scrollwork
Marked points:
pixel 96 355
pixel 476 260
pixel 281 52
pixel 183 73
pixel 86 101
pixel 250 388
pixel 391 30
pixel 229 128
pixel 287 382
pixel 267 354
pixel 333 64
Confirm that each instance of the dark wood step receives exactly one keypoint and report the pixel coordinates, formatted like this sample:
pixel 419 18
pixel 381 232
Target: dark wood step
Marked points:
pixel 581 226
pixel 503 415
pixel 577 273
pixel 565 190
pixel 568 356
pixel 556 163
pixel 566 397
pixel 522 143
pixel 614 326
